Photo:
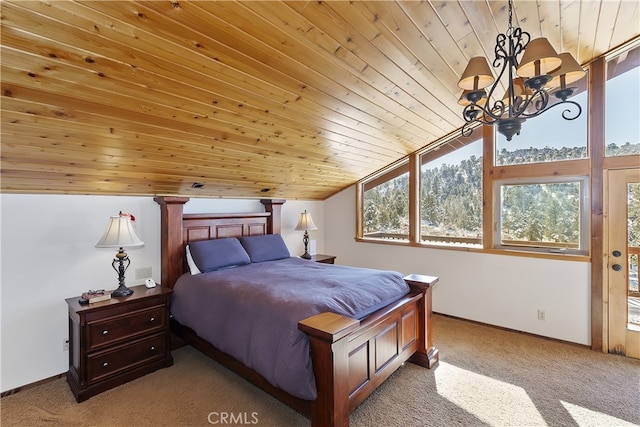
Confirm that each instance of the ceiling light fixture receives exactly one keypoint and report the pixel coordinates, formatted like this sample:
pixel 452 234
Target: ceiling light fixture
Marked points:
pixel 530 81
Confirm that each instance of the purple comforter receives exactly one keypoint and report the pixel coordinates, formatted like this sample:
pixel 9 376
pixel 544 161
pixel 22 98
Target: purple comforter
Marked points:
pixel 252 312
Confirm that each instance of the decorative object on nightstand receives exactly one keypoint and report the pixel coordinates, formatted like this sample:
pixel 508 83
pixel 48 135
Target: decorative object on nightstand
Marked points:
pixel 120 234
pixel 92 296
pixel 117 340
pixel 306 223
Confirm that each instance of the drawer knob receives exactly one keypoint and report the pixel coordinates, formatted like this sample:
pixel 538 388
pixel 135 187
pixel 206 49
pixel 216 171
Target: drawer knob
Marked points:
pixel 105 332
pixel 152 319
pixel 105 364
pixel 153 348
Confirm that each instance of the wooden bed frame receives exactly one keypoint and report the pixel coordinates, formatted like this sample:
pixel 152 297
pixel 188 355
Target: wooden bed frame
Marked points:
pixel 350 358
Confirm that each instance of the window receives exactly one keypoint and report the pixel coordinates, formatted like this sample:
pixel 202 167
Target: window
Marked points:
pixel 534 209
pixel 623 83
pixel 549 137
pixel 451 193
pixel 547 215
pixel 385 210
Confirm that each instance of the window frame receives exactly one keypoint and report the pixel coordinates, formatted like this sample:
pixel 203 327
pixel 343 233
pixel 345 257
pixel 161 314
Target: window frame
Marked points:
pixel 584 214
pixel 615 66
pixel 389 173
pixel 447 146
pixel 531 172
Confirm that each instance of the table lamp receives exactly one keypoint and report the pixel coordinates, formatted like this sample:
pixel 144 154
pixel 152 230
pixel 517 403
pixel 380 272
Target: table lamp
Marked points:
pixel 306 223
pixel 120 234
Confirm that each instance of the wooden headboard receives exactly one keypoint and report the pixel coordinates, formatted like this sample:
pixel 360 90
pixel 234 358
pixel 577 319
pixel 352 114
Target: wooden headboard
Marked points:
pixel 178 229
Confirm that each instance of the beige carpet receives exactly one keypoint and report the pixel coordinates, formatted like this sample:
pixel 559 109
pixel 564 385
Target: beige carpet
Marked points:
pixel 486 377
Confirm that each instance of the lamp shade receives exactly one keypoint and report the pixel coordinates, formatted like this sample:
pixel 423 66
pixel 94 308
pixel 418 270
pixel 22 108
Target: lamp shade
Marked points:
pixel 477 67
pixel 538 50
pixel 570 68
pixel 306 222
pixel 519 89
pixel 119 234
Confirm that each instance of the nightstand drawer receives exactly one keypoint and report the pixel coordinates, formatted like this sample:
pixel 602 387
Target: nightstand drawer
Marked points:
pixel 112 362
pixel 140 322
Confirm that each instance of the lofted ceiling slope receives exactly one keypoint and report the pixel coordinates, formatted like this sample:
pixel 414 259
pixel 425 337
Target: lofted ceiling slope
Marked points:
pixel 293 100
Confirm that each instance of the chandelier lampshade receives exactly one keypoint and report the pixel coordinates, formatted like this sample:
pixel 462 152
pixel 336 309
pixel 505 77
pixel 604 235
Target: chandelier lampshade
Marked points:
pixel 569 72
pixel 477 75
pixel 570 69
pixel 520 90
pixel 539 58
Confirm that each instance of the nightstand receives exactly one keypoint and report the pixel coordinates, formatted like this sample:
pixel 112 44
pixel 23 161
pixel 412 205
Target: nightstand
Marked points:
pixel 325 259
pixel 115 341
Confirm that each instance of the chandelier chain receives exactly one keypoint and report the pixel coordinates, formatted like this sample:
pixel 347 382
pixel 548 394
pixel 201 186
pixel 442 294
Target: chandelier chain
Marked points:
pixel 510 28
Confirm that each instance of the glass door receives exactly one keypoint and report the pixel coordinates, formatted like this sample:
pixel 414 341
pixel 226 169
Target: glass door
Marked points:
pixel 623 251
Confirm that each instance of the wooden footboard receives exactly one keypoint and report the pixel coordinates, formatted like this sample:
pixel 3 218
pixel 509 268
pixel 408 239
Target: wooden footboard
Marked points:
pixel 351 358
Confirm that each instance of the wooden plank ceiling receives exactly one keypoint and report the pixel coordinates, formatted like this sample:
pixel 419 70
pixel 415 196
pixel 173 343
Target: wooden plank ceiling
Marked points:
pixel 298 98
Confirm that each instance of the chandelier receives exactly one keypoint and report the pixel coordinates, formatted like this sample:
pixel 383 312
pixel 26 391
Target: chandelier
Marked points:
pixel 539 73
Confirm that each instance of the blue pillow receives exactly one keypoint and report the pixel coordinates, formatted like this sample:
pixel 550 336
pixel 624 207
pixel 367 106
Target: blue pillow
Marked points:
pixel 268 247
pixel 211 255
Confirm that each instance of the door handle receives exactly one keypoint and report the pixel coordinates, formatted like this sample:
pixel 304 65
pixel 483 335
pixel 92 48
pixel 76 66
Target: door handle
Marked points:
pixel 616 253
pixel 616 267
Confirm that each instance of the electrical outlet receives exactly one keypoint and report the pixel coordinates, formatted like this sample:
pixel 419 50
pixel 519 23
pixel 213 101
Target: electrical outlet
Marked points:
pixel 143 273
pixel 65 344
pixel 542 315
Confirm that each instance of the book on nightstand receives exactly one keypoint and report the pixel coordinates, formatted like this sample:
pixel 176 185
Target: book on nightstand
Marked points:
pixel 93 297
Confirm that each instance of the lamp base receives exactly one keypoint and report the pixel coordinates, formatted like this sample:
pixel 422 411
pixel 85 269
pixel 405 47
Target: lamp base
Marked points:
pixel 305 240
pixel 120 264
pixel 122 291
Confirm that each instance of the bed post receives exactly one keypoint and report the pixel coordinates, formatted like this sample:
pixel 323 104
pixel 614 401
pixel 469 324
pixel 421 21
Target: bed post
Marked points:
pixel 171 240
pixel 426 355
pixel 275 207
pixel 330 366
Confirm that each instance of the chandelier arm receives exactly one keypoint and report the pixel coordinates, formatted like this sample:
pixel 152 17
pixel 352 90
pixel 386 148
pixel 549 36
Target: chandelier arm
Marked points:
pixel 539 99
pixel 567 112
pixel 467 129
pixel 474 113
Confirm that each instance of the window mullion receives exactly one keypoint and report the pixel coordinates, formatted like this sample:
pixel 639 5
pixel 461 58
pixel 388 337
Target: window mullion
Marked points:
pixel 488 216
pixel 414 198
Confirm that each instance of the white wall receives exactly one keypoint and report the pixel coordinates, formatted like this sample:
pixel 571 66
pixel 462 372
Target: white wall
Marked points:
pixel 47 254
pixel 500 290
